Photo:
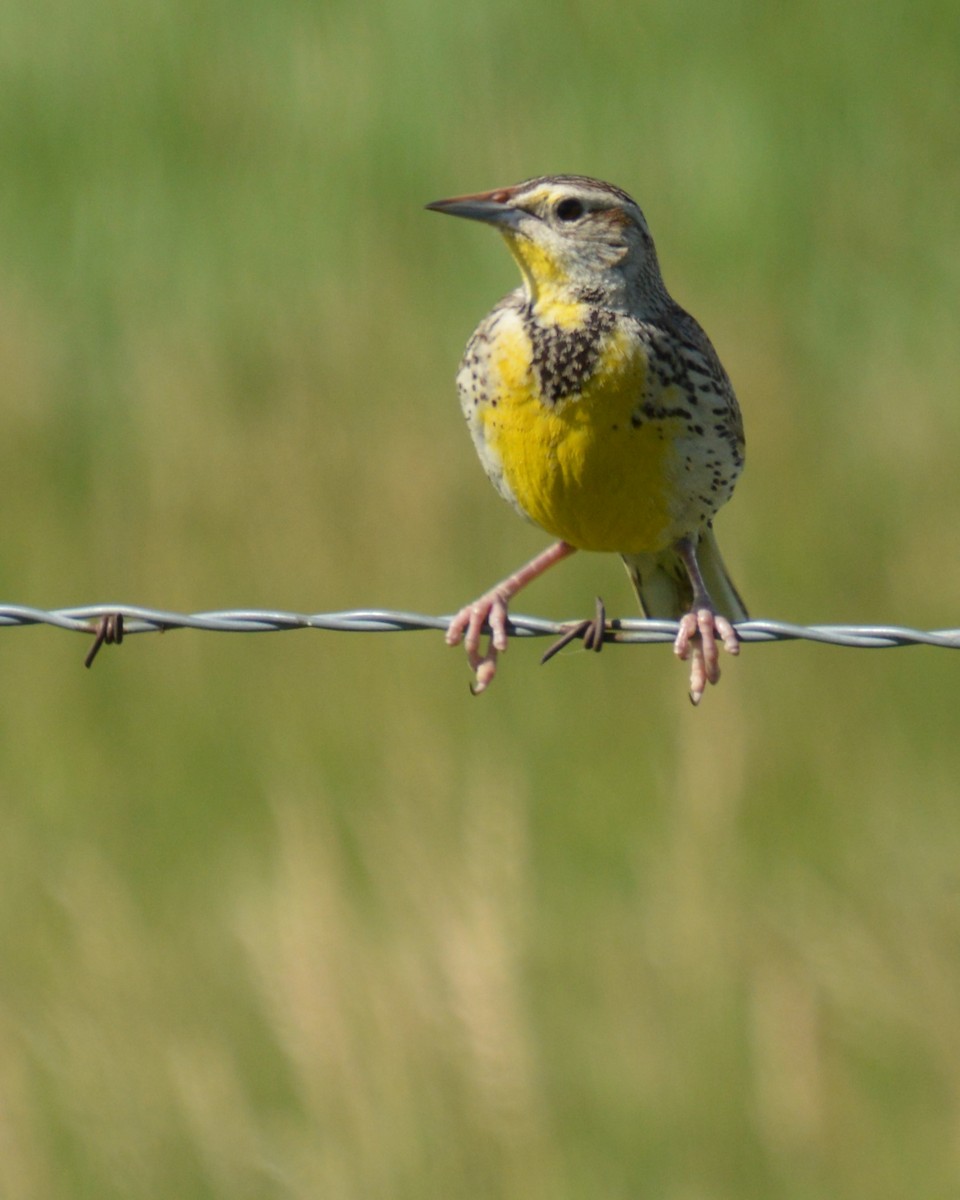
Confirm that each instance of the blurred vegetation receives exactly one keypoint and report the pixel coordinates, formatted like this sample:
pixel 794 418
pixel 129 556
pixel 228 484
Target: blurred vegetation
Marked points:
pixel 296 916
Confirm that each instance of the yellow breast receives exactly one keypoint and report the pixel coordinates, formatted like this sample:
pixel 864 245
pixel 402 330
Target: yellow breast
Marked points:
pixel 582 467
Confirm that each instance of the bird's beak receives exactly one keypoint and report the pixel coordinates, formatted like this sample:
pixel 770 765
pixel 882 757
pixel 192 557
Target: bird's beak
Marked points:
pixel 492 207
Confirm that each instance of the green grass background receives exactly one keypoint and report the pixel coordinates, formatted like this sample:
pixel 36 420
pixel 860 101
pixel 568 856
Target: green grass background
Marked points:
pixel 295 916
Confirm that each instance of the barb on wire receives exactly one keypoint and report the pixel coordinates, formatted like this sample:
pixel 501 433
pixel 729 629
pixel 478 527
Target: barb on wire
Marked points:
pixel 109 630
pixel 110 623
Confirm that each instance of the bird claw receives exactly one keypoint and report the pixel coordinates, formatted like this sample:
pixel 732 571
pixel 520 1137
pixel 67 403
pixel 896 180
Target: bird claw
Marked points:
pixel 490 612
pixel 697 640
pixel 484 670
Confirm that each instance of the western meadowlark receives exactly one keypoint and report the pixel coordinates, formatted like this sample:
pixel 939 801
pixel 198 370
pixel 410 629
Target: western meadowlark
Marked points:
pixel 601 412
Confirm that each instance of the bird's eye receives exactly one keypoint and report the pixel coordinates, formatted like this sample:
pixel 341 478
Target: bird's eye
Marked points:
pixel 569 209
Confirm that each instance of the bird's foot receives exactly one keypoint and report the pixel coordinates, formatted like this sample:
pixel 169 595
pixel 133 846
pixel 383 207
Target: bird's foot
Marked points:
pixel 488 611
pixel 697 640
pixel 590 630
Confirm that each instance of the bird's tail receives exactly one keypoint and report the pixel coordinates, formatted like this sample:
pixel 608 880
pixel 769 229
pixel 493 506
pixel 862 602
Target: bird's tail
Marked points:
pixel 663 585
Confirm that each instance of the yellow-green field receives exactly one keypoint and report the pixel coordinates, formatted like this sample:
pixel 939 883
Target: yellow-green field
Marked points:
pixel 295 916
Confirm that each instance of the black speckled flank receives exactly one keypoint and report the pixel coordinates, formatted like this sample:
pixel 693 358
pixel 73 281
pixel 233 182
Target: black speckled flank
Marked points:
pixel 682 358
pixel 474 377
pixel 564 359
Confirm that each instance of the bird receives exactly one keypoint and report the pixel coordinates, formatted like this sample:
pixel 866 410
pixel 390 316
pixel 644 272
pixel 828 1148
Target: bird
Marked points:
pixel 601 412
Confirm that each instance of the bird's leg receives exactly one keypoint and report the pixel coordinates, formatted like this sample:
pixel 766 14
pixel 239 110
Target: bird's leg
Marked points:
pixel 491 610
pixel 700 628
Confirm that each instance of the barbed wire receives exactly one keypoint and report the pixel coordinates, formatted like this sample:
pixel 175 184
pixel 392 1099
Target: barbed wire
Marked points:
pixel 110 623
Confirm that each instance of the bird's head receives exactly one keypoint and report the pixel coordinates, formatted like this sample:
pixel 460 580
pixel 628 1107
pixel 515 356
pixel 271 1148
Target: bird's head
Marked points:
pixel 573 238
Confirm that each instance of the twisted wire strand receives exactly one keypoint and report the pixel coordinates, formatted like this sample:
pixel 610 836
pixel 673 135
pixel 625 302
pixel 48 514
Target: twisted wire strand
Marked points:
pixel 111 622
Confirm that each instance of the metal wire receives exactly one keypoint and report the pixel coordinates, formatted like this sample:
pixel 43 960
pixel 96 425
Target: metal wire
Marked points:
pixel 111 622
